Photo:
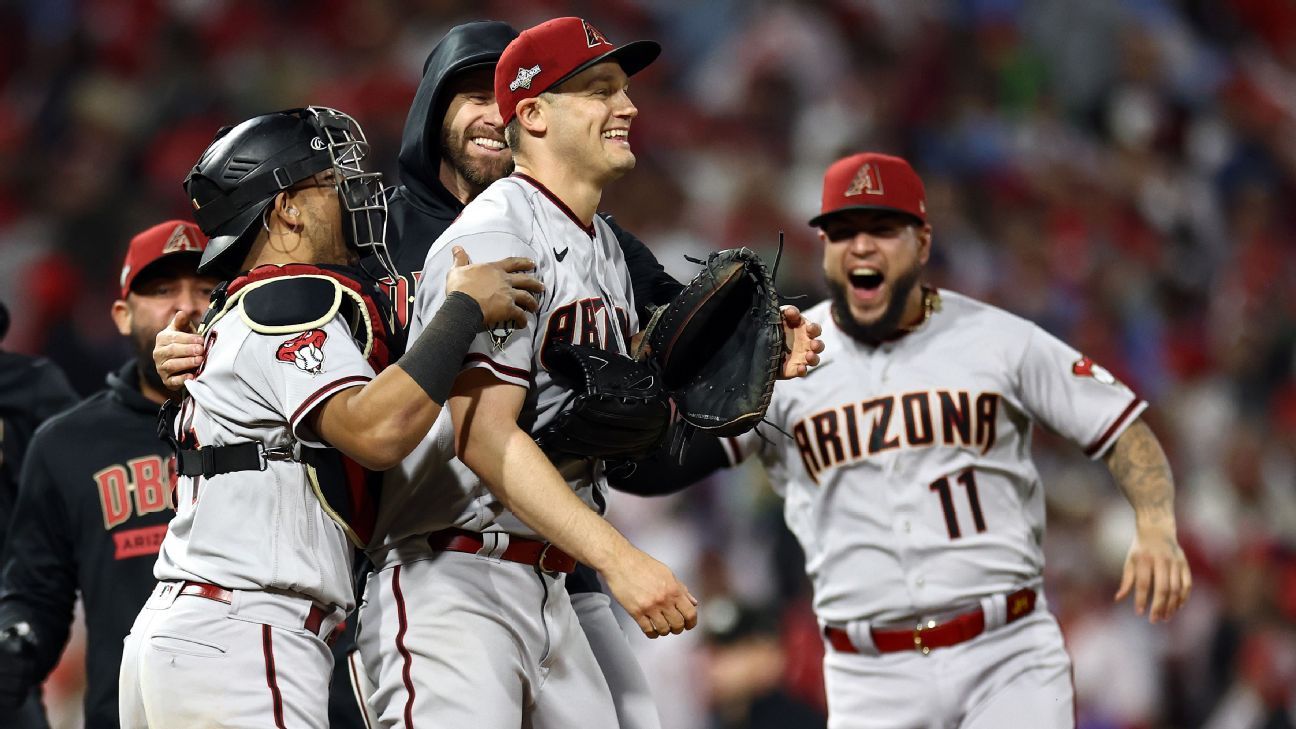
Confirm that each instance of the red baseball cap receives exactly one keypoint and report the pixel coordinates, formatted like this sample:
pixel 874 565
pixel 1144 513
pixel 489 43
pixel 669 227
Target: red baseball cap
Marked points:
pixel 872 181
pixel 552 52
pixel 164 239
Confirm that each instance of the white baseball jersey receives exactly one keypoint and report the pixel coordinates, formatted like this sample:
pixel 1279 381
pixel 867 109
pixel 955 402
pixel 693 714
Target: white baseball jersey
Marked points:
pixel 908 478
pixel 588 299
pixel 252 530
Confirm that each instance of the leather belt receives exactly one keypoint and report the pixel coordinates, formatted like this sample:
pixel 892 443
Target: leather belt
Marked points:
pixel 925 636
pixel 314 618
pixel 542 555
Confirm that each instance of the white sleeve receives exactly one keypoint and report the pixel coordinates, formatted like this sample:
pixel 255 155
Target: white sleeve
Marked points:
pixel 742 447
pixel 507 354
pixel 1073 395
pixel 763 440
pixel 302 370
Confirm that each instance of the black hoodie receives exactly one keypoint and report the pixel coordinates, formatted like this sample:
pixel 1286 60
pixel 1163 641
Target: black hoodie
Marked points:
pixel 422 208
pixel 32 389
pixel 92 508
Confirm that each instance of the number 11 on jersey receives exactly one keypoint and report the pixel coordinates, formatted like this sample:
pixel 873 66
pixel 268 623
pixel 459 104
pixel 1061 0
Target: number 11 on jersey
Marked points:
pixel 941 486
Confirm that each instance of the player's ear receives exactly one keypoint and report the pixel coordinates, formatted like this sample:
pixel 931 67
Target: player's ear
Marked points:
pixel 285 211
pixel 121 316
pixel 531 115
pixel 823 241
pixel 924 235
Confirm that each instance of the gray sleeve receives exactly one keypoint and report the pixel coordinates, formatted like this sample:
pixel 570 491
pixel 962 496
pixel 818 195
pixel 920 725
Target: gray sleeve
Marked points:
pixel 1073 395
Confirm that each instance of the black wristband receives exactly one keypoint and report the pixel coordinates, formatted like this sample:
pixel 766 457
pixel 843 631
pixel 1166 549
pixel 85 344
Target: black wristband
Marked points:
pixel 436 356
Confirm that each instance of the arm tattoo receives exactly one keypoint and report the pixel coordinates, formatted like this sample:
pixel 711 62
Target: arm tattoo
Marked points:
pixel 1141 470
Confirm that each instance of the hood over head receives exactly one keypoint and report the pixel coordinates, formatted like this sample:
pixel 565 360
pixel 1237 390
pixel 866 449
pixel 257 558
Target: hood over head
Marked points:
pixel 466 46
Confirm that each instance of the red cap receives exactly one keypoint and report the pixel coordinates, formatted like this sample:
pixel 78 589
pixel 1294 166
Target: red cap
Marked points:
pixel 163 239
pixel 552 52
pixel 872 181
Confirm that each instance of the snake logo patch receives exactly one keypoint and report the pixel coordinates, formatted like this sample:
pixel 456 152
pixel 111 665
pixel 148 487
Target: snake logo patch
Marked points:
pixel 1085 367
pixel 305 351
pixel 499 336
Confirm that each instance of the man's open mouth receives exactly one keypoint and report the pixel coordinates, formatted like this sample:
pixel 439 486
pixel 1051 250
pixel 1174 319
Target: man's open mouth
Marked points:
pixel 865 278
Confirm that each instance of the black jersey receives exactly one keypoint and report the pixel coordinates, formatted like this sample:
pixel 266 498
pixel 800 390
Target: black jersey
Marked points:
pixel 93 504
pixel 32 389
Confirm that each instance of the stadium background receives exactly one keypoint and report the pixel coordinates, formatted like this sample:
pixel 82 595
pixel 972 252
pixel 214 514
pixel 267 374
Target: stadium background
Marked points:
pixel 1116 170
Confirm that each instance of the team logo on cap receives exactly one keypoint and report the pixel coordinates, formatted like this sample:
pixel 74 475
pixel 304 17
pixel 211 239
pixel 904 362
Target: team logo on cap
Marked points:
pixel 180 240
pixel 305 351
pixel 524 76
pixel 593 36
pixel 867 180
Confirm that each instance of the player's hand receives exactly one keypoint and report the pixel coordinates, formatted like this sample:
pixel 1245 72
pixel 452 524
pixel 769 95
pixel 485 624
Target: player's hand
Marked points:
pixel 17 665
pixel 1157 571
pixel 801 342
pixel 500 288
pixel 177 351
pixel 651 594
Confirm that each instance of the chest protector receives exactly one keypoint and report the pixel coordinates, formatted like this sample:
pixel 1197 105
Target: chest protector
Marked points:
pixel 275 300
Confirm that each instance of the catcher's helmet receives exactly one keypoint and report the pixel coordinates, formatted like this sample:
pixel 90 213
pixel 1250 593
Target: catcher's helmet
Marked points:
pixel 239 174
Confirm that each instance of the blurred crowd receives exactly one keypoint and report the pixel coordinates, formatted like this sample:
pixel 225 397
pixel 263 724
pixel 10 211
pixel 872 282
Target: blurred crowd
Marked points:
pixel 1111 169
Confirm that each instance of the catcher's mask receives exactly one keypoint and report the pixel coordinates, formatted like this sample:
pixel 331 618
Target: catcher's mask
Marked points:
pixel 247 165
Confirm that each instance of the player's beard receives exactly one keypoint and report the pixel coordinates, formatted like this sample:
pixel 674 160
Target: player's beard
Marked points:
pixel 143 342
pixel 886 325
pixel 479 173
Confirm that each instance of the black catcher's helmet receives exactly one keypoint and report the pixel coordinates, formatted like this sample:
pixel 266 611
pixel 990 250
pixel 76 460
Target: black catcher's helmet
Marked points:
pixel 239 174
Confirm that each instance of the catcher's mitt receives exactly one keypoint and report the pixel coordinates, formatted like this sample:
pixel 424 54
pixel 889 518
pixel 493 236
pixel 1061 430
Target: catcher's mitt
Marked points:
pixel 719 344
pixel 618 411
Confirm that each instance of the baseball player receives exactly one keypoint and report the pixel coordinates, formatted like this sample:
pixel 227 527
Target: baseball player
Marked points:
pixel 450 152
pixel 254 571
pixel 466 620
pixel 32 389
pixel 909 484
pixel 95 495
pixel 453 147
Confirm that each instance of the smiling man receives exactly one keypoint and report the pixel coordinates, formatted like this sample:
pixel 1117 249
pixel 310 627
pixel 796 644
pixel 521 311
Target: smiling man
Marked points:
pixel 909 484
pixel 466 621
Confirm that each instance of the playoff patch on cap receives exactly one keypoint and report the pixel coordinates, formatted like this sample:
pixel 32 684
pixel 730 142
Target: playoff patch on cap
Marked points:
pixel 872 181
pixel 548 54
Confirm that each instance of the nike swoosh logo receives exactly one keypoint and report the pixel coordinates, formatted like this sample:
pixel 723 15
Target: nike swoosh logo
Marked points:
pixel 561 256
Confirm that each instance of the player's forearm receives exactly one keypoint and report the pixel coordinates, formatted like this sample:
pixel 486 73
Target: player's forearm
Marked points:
pixel 1140 468
pixel 380 423
pixel 519 474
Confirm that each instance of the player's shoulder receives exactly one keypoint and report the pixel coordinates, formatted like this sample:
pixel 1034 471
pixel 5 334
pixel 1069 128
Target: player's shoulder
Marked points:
pixel 503 206
pixel 25 377
pixel 961 310
pixel 501 215
pixel 290 304
pixel 85 419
